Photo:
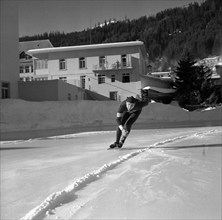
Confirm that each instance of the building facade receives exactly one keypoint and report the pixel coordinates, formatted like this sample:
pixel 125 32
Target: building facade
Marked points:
pixel 112 70
pixel 9 60
pixel 26 71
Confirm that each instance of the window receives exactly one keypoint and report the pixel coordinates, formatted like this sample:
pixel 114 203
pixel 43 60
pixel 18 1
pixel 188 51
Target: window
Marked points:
pixel 101 78
pixel 124 60
pixel 102 61
pixel 63 79
pixel 5 90
pixel 41 64
pixel 113 95
pixel 21 69
pixel 41 78
pixel 83 82
pixel 113 78
pixel 125 78
pixel 62 64
pixel 69 96
pixel 82 62
pixel 26 69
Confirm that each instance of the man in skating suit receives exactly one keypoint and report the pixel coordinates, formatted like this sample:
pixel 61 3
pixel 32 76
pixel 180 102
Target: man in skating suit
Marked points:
pixel 128 112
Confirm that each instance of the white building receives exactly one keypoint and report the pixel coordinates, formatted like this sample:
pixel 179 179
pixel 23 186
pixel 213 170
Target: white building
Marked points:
pixel 111 69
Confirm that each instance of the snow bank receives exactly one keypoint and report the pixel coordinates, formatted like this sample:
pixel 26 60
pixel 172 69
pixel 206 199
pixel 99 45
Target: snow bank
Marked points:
pixel 24 115
pixel 18 115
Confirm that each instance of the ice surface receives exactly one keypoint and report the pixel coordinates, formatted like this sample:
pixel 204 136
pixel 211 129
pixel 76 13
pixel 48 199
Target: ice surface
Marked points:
pixel 75 177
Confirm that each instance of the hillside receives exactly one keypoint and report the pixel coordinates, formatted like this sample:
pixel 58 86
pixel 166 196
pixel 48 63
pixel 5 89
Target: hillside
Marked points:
pixel 167 36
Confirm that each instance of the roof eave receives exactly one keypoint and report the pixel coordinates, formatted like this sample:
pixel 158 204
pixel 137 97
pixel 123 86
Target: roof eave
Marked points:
pixel 45 51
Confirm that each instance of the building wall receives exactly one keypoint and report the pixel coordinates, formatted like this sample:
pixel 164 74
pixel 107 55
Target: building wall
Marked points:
pixel 49 90
pixel 69 92
pixel 38 90
pixel 9 47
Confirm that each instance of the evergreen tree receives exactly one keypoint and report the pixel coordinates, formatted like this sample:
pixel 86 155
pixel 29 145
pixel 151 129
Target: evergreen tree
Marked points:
pixel 185 75
pixel 194 84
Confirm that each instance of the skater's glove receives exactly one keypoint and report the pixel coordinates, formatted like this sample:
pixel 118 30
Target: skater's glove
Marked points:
pixel 121 127
pixel 124 132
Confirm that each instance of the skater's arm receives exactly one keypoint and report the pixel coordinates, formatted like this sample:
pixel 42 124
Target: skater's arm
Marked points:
pixel 145 99
pixel 119 114
pixel 143 103
pixel 119 119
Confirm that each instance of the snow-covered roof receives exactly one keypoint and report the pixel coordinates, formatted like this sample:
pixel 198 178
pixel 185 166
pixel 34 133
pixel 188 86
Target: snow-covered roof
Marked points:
pixel 160 73
pixel 37 44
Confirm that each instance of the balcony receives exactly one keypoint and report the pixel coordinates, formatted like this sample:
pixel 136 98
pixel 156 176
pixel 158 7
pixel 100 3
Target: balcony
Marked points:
pixel 112 66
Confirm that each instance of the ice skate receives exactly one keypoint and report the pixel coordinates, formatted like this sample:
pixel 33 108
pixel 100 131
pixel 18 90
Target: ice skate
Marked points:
pixel 113 145
pixel 120 145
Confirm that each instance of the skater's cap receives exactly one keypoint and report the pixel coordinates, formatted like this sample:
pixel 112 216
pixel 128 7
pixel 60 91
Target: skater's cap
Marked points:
pixel 131 99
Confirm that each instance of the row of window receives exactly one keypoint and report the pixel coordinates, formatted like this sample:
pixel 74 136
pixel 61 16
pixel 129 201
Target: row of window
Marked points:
pixel 82 62
pixel 43 64
pixel 125 78
pixel 27 79
pixel 26 69
pixel 63 65
pixel 39 64
pixel 102 79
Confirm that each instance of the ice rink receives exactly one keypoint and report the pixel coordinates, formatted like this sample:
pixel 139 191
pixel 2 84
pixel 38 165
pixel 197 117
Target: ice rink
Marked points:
pixel 158 174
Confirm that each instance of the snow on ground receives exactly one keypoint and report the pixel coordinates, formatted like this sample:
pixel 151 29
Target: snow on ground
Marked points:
pixel 159 174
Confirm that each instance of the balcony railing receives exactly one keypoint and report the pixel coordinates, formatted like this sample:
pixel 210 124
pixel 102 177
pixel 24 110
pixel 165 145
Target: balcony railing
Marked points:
pixel 113 66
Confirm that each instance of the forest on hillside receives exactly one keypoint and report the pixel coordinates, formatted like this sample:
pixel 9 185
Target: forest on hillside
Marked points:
pixel 168 36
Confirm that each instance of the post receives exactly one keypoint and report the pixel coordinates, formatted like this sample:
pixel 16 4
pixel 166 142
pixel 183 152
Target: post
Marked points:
pixel 219 72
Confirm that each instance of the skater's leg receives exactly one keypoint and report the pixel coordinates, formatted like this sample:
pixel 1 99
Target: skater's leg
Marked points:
pixel 118 135
pixel 123 121
pixel 119 132
pixel 131 119
pixel 128 125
